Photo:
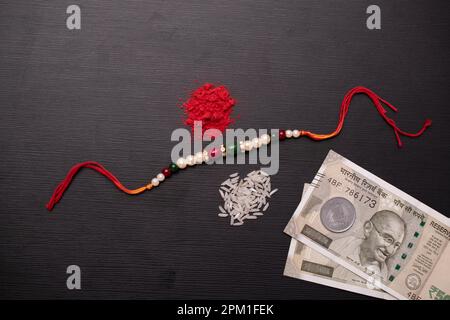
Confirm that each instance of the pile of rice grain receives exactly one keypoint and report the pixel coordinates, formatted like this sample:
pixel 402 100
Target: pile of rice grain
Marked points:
pixel 245 198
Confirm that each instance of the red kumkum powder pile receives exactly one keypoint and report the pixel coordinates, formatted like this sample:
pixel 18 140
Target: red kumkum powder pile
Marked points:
pixel 211 105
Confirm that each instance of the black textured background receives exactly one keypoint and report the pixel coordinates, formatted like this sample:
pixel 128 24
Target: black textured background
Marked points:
pixel 110 92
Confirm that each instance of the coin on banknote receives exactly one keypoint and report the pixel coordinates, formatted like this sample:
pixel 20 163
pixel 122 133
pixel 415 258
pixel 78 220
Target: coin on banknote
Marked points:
pixel 338 214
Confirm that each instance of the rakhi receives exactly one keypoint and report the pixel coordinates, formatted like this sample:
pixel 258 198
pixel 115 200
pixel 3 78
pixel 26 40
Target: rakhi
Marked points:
pixel 234 148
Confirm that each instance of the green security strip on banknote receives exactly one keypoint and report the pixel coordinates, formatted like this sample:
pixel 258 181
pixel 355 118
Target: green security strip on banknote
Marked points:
pixel 374 230
pixel 307 264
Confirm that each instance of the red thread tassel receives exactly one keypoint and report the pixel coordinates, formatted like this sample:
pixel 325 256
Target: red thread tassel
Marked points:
pixel 377 102
pixel 62 187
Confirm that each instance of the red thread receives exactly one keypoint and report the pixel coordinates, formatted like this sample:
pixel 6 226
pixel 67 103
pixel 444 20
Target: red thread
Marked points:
pixel 62 187
pixel 211 105
pixel 378 104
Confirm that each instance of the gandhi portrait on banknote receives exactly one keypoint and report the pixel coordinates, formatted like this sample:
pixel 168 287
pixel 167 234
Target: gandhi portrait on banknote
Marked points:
pixel 383 234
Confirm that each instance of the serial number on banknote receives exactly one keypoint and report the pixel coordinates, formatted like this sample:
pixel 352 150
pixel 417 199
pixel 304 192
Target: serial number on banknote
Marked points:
pixel 359 196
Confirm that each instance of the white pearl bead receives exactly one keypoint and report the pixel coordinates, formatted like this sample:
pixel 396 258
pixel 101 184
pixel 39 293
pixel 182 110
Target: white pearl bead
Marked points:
pixel 265 139
pixel 296 133
pixel 181 163
pixel 242 146
pixel 190 160
pixel 288 133
pixel 248 145
pixel 256 142
pixel 198 157
pixel 205 156
pixel 160 177
pixel 155 182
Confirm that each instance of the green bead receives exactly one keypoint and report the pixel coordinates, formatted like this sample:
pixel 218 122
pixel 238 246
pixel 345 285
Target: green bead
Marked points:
pixel 232 149
pixel 173 168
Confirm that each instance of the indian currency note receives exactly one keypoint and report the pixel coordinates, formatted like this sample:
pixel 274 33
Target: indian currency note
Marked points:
pixel 306 264
pixel 369 227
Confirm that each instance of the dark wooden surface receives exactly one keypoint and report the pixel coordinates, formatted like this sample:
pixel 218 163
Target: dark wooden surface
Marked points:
pixel 110 92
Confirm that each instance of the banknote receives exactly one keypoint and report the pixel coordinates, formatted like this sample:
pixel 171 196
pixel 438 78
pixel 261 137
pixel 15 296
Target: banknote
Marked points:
pixel 369 227
pixel 307 264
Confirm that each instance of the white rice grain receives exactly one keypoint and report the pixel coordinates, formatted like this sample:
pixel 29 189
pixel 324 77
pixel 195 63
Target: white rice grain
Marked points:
pixel 245 198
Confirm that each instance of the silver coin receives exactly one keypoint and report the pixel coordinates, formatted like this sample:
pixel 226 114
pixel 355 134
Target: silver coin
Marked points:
pixel 338 214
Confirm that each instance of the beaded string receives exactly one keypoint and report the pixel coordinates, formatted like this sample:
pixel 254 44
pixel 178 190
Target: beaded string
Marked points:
pixel 244 146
